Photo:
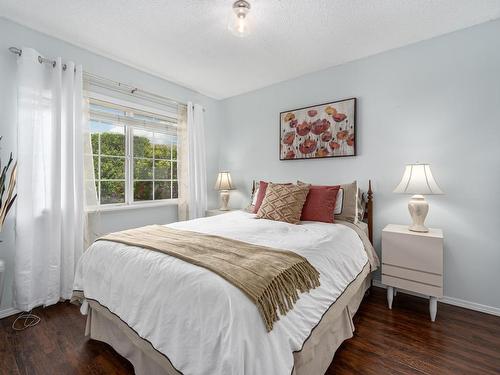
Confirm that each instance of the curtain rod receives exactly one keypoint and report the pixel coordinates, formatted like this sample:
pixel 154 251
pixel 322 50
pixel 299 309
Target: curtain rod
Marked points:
pixel 41 59
pixel 108 83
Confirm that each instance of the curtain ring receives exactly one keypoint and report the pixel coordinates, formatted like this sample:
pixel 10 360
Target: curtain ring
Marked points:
pixel 42 60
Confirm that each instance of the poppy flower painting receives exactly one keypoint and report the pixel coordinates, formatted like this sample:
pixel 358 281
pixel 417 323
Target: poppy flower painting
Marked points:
pixel 320 131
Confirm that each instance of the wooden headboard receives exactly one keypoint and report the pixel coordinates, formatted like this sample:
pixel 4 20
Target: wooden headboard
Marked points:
pixel 368 218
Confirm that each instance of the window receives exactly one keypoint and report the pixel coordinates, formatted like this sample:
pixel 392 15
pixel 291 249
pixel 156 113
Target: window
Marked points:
pixel 134 153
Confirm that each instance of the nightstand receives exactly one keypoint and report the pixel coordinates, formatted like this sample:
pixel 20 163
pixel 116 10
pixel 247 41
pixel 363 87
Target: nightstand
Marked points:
pixel 413 261
pixel 215 212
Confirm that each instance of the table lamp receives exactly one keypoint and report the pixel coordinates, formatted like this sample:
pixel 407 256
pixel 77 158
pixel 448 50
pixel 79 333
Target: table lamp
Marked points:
pixel 418 180
pixel 224 184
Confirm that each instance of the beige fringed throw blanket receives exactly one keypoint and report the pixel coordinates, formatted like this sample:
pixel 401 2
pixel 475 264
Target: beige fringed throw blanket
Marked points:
pixel 269 277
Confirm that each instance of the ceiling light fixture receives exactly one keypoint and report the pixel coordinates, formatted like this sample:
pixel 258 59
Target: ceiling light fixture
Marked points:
pixel 239 26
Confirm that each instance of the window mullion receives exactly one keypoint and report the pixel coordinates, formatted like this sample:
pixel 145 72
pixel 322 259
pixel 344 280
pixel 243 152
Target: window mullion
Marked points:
pixel 99 167
pixel 153 177
pixel 129 177
pixel 172 168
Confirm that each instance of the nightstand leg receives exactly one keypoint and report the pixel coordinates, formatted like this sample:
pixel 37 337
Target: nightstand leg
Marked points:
pixel 433 308
pixel 390 296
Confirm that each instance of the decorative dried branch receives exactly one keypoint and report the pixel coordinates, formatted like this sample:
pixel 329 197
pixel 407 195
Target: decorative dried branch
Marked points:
pixel 7 203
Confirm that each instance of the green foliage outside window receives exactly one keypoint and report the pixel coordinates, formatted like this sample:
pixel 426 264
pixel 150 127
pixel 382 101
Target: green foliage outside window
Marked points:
pixel 154 168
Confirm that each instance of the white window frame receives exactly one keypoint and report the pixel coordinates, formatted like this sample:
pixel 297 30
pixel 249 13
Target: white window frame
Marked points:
pixel 129 160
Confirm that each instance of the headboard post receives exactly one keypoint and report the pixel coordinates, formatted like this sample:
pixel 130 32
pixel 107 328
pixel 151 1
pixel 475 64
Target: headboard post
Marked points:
pixel 369 208
pixel 253 188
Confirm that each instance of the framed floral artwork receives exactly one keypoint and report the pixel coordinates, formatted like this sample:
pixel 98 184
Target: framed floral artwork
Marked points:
pixel 322 131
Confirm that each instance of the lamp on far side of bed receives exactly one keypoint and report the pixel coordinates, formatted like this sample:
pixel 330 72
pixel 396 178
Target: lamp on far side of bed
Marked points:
pixel 418 180
pixel 224 184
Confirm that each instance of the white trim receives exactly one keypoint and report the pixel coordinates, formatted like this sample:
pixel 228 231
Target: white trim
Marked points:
pixel 131 206
pixel 452 301
pixel 8 312
pixel 471 305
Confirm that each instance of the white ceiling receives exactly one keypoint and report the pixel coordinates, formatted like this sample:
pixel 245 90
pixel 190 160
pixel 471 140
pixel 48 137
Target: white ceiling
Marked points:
pixel 187 41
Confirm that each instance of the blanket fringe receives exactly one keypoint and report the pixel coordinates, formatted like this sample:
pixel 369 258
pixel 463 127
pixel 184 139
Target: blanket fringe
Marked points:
pixel 282 293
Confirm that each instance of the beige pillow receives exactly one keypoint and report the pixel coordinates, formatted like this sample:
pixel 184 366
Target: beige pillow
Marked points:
pixel 283 202
pixel 350 203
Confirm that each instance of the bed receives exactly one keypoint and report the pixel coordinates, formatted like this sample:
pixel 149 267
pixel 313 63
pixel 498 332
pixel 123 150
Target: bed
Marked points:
pixel 167 316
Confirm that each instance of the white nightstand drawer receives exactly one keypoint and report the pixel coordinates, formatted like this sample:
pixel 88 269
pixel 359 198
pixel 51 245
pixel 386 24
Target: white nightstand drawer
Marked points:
pixel 414 286
pixel 415 252
pixel 413 261
pixel 412 275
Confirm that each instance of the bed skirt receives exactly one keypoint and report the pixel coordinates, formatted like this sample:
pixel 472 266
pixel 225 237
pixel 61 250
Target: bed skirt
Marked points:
pixel 314 358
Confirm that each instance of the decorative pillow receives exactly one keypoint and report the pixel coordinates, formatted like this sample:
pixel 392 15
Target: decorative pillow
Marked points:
pixel 259 194
pixel 339 201
pixel 320 204
pixel 254 196
pixel 253 199
pixel 346 204
pixel 283 202
pixel 350 203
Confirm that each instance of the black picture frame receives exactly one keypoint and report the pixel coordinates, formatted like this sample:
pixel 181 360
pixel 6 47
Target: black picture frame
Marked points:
pixel 322 149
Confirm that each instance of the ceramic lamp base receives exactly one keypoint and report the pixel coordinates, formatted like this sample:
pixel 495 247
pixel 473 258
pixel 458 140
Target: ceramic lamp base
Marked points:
pixel 224 198
pixel 418 208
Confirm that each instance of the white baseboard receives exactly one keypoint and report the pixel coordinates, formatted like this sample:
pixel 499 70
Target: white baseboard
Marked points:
pixel 453 301
pixel 471 305
pixel 448 300
pixel 8 312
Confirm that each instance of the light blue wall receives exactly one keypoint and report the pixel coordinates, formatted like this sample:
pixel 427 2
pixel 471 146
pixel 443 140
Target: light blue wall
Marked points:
pixel 12 34
pixel 437 101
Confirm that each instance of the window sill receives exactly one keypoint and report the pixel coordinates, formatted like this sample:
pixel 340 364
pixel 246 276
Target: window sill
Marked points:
pixel 132 206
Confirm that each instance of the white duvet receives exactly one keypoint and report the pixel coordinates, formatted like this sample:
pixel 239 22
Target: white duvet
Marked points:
pixel 202 323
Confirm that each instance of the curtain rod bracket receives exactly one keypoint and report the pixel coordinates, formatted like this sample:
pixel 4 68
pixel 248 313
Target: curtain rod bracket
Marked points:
pixel 15 50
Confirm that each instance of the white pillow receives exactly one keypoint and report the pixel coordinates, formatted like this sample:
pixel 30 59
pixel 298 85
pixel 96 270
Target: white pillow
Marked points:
pixel 339 202
pixel 255 194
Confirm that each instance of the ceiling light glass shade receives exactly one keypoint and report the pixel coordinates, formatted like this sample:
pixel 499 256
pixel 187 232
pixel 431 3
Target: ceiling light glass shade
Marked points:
pixel 418 179
pixel 239 23
pixel 224 181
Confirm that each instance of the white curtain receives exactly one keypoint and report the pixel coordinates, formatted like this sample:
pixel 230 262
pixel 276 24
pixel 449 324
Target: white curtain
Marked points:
pixel 192 163
pixel 91 201
pixel 49 217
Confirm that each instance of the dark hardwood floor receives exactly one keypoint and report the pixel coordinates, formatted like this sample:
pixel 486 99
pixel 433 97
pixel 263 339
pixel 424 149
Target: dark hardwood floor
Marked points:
pixel 398 341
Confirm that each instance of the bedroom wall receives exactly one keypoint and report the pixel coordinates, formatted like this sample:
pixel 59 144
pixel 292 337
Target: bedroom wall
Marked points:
pixel 436 101
pixel 13 34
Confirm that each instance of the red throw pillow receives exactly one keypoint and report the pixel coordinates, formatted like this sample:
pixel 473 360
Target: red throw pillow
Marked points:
pixel 320 204
pixel 260 196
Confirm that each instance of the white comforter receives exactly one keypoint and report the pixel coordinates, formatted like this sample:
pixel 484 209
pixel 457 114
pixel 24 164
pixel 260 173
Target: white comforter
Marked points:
pixel 202 323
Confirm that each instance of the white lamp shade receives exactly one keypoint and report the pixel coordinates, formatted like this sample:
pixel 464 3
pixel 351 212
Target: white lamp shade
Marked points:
pixel 224 181
pixel 418 179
